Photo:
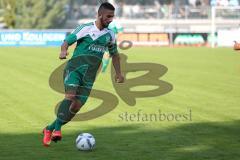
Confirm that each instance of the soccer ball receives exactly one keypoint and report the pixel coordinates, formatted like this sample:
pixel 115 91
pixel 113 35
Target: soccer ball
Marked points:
pixel 85 142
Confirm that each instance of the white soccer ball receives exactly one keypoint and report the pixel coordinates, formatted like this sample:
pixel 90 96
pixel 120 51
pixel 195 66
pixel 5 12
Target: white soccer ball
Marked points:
pixel 85 142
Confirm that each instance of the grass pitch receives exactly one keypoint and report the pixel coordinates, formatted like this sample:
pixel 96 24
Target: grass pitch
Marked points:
pixel 205 81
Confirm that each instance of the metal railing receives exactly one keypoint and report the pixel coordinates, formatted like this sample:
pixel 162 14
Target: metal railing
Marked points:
pixel 161 12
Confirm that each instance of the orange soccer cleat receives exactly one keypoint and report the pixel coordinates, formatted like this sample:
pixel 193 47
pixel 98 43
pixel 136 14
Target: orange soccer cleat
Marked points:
pixel 47 134
pixel 56 136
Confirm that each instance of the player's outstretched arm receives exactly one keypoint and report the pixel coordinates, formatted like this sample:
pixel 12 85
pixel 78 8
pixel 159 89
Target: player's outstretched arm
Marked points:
pixel 119 78
pixel 64 52
pixel 236 45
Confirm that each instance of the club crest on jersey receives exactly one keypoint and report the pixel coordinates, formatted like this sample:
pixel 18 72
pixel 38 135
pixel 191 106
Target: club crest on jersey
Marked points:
pixel 108 38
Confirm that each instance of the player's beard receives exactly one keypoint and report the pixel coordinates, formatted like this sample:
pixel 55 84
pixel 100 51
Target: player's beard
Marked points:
pixel 104 24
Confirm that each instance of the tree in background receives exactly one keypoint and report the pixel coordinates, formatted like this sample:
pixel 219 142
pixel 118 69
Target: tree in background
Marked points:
pixel 41 14
pixel 8 15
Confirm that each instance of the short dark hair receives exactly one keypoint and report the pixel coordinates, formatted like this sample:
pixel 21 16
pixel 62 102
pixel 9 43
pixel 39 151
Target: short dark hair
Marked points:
pixel 106 5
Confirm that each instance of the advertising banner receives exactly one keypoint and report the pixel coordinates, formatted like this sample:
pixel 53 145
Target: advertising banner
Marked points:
pixel 145 39
pixel 190 38
pixel 31 38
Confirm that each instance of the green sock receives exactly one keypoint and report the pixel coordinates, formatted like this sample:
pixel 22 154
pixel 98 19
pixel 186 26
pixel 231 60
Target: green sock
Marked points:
pixel 63 115
pixel 51 127
pixel 59 124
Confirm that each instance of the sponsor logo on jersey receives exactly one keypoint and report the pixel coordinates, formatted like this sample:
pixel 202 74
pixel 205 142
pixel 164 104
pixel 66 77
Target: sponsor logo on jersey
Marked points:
pixel 97 48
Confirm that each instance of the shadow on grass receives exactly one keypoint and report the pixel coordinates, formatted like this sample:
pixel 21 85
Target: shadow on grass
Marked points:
pixel 196 141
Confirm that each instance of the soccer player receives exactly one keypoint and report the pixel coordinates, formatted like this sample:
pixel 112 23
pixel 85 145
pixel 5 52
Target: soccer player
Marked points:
pixel 93 39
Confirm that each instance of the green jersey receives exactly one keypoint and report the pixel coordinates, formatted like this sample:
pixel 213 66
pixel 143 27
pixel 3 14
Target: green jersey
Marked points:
pixel 91 45
pixel 92 41
pixel 80 71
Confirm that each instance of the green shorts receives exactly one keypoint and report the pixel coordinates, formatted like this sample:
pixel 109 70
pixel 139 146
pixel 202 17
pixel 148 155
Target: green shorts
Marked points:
pixel 76 80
